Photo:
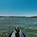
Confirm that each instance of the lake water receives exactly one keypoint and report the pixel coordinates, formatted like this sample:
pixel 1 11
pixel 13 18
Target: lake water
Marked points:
pixel 26 24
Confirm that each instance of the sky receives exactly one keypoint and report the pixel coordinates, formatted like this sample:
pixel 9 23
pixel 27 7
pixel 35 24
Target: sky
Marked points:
pixel 18 7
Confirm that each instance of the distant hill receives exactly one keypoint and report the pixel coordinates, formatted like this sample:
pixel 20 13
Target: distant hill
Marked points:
pixel 12 17
pixel 33 17
pixel 17 17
